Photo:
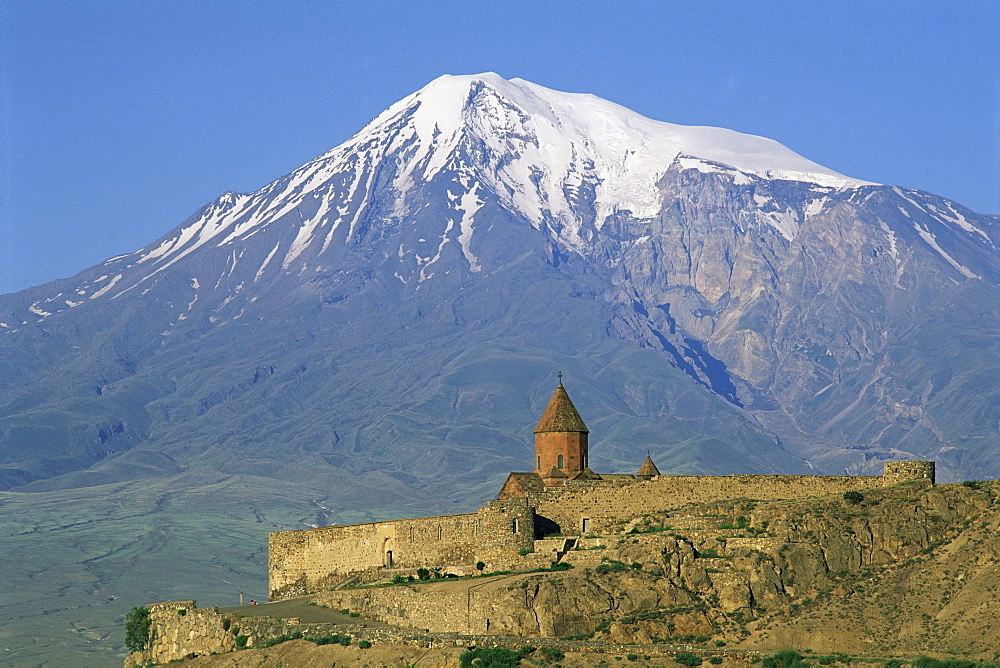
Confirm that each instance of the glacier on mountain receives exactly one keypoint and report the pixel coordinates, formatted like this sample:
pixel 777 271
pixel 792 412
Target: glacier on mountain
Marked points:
pixel 538 149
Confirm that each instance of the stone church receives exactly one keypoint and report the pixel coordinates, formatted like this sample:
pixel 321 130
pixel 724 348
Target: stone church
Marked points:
pixel 562 497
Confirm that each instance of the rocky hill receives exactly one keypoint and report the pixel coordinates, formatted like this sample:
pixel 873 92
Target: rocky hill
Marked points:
pixel 902 572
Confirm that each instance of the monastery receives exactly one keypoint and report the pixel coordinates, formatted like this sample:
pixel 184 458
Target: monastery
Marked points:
pixel 561 497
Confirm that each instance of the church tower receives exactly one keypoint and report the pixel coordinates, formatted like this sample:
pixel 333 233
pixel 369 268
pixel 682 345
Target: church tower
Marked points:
pixel 560 438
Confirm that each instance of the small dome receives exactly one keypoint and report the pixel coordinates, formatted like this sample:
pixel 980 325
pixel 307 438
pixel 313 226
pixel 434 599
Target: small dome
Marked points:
pixel 555 473
pixel 561 415
pixel 647 470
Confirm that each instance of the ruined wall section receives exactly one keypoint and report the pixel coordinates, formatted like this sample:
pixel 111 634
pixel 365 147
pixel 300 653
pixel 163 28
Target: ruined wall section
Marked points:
pixel 300 562
pixel 181 630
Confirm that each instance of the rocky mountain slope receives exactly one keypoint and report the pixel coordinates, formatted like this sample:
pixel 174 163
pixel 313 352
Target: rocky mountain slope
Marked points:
pixel 895 573
pixel 906 571
pixel 375 333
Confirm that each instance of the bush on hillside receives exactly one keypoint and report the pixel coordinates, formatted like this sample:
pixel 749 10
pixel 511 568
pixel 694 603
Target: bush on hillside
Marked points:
pixel 787 658
pixel 493 657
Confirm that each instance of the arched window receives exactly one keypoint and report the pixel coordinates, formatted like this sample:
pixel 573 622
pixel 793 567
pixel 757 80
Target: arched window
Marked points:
pixel 539 464
pixel 560 462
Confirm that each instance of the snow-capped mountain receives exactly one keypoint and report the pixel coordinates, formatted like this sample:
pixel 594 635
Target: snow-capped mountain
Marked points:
pixel 489 224
pixel 375 335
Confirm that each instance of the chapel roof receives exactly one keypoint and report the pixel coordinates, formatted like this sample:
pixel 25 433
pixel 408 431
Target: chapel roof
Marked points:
pixel 528 481
pixel 554 473
pixel 648 469
pixel 561 415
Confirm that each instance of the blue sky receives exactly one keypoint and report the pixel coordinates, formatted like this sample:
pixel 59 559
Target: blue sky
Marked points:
pixel 119 119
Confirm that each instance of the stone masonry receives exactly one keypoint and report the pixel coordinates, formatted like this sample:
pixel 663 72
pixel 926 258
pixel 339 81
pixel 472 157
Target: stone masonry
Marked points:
pixel 576 503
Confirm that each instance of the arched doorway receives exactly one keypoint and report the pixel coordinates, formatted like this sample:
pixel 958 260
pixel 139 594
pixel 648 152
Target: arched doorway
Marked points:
pixel 387 553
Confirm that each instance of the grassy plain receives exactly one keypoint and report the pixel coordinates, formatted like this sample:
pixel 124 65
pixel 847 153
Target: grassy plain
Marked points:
pixel 76 561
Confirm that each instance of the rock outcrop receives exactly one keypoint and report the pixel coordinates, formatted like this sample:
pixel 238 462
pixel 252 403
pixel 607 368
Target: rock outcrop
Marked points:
pixel 736 572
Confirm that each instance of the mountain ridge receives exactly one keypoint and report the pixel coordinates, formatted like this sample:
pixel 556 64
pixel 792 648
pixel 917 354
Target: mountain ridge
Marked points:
pixel 362 343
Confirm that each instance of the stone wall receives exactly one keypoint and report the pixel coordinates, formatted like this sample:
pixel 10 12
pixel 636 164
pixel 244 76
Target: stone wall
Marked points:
pixel 181 629
pixel 594 507
pixel 897 472
pixel 300 562
pixel 436 611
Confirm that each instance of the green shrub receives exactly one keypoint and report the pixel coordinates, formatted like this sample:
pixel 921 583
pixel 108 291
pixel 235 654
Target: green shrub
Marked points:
pixel 928 662
pixel 328 640
pixel 707 553
pixel 612 566
pixel 632 657
pixel 137 624
pixel 687 659
pixel 284 637
pixel 971 484
pixel 364 644
pixel 226 623
pixel 182 611
pixel 493 657
pixel 480 566
pixel 525 650
pixel 560 566
pixel 241 641
pixel 398 578
pixel 553 653
pixel 787 658
pixel 525 550
pixel 715 660
pixel 423 574
pixel 853 497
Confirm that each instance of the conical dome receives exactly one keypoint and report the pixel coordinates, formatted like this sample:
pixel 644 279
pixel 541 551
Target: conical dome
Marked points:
pixel 647 470
pixel 561 415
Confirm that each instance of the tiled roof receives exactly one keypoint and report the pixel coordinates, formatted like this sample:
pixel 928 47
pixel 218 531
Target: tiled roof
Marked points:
pixel 528 482
pixel 561 415
pixel 555 473
pixel 648 468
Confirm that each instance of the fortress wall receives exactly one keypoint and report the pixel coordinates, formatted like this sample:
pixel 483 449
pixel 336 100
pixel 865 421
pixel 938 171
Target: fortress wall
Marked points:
pixel 300 562
pixel 304 561
pixel 436 610
pixel 440 607
pixel 902 471
pixel 507 527
pixel 605 504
